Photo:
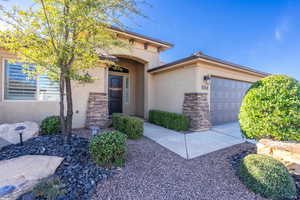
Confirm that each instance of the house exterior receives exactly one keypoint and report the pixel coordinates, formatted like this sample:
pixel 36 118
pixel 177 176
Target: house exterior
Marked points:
pixel 206 89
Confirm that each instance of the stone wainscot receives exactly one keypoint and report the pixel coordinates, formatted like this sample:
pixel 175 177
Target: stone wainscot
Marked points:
pixel 196 108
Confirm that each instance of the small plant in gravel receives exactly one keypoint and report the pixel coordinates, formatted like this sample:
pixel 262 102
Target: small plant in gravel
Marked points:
pixel 49 188
pixel 109 149
pixel 271 109
pixel 267 177
pixel 50 125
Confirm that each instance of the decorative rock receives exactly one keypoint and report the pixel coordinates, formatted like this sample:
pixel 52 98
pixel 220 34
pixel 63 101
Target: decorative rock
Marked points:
pixel 9 134
pixel 196 107
pixel 286 152
pixel 25 171
pixel 77 172
pixel 6 190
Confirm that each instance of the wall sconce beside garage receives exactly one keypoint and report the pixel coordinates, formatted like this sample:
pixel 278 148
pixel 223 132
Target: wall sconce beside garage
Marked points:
pixel 207 78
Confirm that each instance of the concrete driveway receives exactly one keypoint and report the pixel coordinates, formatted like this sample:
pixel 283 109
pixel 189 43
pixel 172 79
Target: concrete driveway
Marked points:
pixel 195 144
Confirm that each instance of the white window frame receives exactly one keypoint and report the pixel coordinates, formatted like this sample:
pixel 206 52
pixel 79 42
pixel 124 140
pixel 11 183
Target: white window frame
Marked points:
pixel 128 89
pixel 13 100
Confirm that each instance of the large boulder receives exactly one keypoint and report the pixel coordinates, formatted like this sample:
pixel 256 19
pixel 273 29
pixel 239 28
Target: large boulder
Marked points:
pixel 286 152
pixel 8 134
pixel 24 172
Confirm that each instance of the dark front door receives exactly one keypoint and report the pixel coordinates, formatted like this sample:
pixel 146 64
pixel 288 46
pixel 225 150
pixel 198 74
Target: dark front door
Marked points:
pixel 115 92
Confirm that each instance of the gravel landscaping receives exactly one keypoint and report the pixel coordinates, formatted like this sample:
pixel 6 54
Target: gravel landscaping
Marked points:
pixel 77 172
pixel 153 172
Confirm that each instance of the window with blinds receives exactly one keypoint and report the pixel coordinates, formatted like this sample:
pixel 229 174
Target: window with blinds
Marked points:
pixel 19 86
pixel 47 90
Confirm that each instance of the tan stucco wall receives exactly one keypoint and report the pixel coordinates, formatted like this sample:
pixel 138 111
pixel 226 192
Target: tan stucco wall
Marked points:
pixel 206 68
pixel 169 88
pixel 170 85
pixel 15 111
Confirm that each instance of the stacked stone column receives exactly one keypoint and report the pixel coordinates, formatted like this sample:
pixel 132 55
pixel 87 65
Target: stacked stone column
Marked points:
pixel 97 110
pixel 196 108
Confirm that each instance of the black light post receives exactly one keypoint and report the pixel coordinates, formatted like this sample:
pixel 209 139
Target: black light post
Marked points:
pixel 20 129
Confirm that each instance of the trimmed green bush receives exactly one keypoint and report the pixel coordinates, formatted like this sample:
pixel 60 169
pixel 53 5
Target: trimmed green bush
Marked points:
pixel 50 125
pixel 271 109
pixel 109 149
pixel 133 127
pixel 174 121
pixel 267 177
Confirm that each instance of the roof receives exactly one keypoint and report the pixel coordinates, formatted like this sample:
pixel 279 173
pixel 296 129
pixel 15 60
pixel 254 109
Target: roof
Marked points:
pixel 200 55
pixel 143 37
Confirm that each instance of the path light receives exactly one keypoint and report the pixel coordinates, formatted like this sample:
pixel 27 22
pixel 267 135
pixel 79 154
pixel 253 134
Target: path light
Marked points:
pixel 95 130
pixel 20 130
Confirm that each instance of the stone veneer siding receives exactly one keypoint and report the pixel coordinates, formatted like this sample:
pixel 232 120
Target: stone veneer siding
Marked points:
pixel 196 107
pixel 97 110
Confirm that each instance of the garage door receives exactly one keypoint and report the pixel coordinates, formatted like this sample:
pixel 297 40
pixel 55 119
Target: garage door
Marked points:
pixel 226 97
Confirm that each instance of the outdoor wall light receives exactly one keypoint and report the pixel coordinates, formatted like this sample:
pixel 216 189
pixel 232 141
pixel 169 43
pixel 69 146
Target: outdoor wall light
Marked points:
pixel 207 79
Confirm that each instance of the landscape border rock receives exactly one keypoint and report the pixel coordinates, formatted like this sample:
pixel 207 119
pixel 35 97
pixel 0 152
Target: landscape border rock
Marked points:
pixel 8 134
pixel 24 172
pixel 286 152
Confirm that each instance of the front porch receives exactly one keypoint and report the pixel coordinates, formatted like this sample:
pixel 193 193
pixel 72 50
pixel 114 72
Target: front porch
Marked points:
pixel 125 86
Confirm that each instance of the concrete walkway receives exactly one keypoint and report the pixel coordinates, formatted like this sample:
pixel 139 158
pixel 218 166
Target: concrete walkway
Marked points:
pixel 195 144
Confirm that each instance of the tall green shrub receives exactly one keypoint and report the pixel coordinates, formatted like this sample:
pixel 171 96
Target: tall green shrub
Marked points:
pixel 267 177
pixel 169 120
pixel 133 127
pixel 271 109
pixel 109 149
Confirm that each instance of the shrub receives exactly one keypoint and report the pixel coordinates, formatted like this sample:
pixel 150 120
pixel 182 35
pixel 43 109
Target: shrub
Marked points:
pixel 267 177
pixel 49 188
pixel 133 127
pixel 271 109
pixel 50 125
pixel 174 121
pixel 109 149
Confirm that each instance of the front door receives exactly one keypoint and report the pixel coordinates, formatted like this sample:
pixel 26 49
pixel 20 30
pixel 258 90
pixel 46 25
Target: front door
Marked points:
pixel 115 94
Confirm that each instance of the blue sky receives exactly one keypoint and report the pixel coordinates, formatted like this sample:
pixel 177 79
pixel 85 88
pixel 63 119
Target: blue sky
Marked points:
pixel 260 34
pixel 264 35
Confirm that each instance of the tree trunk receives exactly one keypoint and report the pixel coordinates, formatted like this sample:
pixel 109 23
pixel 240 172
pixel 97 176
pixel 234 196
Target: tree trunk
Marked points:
pixel 69 118
pixel 62 105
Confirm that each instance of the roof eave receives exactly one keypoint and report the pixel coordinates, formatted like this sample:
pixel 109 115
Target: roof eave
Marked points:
pixel 158 43
pixel 197 58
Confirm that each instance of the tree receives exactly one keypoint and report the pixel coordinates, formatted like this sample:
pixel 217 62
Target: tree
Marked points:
pixel 64 39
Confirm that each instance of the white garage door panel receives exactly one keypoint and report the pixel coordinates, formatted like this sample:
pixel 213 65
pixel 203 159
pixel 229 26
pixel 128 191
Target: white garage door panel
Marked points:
pixel 225 97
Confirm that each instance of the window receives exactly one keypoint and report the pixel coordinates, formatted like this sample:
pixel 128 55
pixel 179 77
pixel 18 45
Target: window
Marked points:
pixel 126 90
pixel 19 86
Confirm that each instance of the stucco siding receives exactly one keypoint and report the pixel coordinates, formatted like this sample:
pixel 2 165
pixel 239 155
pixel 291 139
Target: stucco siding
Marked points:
pixel 204 69
pixel 170 87
pixel 17 111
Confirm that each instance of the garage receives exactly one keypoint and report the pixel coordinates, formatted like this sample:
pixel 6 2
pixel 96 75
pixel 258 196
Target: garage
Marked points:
pixel 225 99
